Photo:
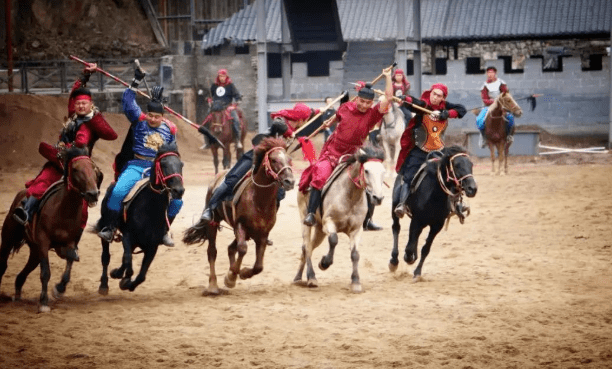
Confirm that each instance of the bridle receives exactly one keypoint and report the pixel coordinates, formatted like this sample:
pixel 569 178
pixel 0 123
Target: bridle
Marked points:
pixel 505 105
pixel 72 187
pixel 451 177
pixel 161 179
pixel 359 180
pixel 269 171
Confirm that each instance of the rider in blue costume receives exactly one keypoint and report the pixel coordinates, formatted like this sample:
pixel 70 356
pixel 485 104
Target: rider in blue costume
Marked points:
pixel 148 133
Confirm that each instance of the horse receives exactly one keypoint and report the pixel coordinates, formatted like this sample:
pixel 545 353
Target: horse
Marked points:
pixel 219 122
pixel 391 130
pixel 252 213
pixel 144 222
pixel 495 129
pixel 343 208
pixel 438 195
pixel 56 225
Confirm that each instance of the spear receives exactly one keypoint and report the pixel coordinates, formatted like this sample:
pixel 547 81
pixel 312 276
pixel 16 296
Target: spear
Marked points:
pixel 400 101
pixel 205 133
pixel 531 98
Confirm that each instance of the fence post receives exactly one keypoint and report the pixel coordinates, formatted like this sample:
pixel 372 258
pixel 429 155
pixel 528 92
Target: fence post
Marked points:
pixel 24 77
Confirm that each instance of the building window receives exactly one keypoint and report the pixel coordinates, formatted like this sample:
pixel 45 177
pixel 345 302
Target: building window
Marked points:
pixel 550 63
pixel 275 69
pixel 508 65
pixel 593 62
pixel 241 50
pixel 472 66
pixel 409 67
pixel 441 66
pixel 317 61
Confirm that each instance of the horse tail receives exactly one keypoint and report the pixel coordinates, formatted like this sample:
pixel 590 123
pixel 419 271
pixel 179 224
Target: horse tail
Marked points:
pixel 196 233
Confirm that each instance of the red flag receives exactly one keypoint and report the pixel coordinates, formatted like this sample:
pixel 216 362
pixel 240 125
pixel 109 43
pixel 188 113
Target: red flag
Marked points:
pixel 308 149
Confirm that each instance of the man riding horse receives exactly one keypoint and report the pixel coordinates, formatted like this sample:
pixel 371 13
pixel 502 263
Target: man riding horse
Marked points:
pixel 355 120
pixel 423 135
pixel 223 91
pixel 83 128
pixel 492 88
pixel 283 125
pixel 148 132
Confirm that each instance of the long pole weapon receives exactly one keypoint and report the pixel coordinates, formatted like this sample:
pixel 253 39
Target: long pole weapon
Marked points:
pixel 209 135
pixel 531 98
pixel 328 121
pixel 400 101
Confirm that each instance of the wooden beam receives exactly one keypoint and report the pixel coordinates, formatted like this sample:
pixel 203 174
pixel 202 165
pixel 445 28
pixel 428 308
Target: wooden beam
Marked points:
pixel 151 15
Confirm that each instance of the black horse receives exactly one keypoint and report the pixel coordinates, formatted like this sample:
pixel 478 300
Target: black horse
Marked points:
pixel 146 221
pixel 445 179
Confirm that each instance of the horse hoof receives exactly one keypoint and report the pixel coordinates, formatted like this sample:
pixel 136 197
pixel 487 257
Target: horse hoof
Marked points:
pixel 356 288
pixel 323 265
pixel 57 294
pixel 211 292
pixel 393 266
pixel 115 274
pixel 44 309
pixel 229 282
pixel 103 291
pixel 17 297
pixel 417 278
pixel 409 259
pixel 312 283
pixel 124 284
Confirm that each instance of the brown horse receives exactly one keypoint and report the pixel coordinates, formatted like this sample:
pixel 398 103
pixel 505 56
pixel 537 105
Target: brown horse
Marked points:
pixel 57 225
pixel 495 129
pixel 220 124
pixel 252 215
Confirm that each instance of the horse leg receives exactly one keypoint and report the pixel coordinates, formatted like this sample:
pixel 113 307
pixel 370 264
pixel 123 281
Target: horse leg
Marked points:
pixel 433 232
pixel 411 254
pixel 396 227
pixel 60 288
pixel 300 272
pixel 211 252
pixel 234 270
pixel 492 149
pixel 312 244
pixel 355 240
pixel 215 158
pixel 226 156
pixel 105 259
pixel 149 255
pixel 328 260
pixel 387 150
pixel 45 276
pixel 260 250
pixel 126 262
pixel 503 158
pixel 31 264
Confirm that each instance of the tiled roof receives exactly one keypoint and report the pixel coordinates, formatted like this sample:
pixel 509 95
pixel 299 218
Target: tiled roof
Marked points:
pixel 442 20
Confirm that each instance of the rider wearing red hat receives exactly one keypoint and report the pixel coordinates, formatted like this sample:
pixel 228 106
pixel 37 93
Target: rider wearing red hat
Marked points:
pixel 423 135
pixel 492 88
pixel 223 92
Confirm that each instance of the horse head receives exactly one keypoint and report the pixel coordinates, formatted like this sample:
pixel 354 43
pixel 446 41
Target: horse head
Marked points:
pixel 271 155
pixel 81 174
pixel 372 171
pixel 168 175
pixel 508 103
pixel 456 167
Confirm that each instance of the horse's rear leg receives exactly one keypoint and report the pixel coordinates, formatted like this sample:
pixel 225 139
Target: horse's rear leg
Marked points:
pixel 12 236
pixel 126 263
pixel 105 259
pixel 355 282
pixel 298 277
pixel 32 263
pixel 60 288
pixel 492 150
pixel 149 255
pixel 213 287
pixel 234 269
pixel 411 253
pixel 434 229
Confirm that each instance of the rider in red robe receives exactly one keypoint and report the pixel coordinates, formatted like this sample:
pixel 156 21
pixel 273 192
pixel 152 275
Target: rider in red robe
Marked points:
pixel 355 120
pixel 83 128
pixel 423 135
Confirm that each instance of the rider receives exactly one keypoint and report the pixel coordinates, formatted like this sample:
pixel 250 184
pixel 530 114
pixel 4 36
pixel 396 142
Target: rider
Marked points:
pixel 401 87
pixel 355 120
pixel 492 88
pixel 148 133
pixel 83 128
pixel 423 135
pixel 284 122
pixel 223 91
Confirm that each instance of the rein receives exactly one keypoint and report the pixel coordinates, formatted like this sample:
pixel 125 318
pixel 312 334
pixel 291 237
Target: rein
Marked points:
pixel 160 179
pixel 452 177
pixel 71 187
pixel 359 181
pixel 269 171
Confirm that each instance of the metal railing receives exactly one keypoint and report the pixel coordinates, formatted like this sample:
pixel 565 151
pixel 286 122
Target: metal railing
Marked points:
pixel 58 76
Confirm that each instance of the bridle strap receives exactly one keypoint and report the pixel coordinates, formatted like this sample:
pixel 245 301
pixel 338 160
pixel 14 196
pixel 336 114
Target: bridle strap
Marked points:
pixel 269 171
pixel 160 178
pixel 359 181
pixel 452 177
pixel 71 187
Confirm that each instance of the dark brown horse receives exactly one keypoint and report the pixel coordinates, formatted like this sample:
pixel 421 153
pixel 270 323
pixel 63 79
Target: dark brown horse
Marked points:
pixel 57 225
pixel 495 129
pixel 220 125
pixel 253 216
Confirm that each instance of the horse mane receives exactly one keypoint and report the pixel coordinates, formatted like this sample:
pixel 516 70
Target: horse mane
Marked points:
pixel 264 145
pixel 449 152
pixel 71 153
pixel 168 147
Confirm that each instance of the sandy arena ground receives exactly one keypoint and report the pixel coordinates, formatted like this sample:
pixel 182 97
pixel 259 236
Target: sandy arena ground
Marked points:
pixel 524 283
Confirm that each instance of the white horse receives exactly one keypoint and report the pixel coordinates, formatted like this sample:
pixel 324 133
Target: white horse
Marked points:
pixel 343 209
pixel 391 129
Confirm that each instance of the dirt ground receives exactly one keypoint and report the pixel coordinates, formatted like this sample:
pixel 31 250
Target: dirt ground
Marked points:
pixel 524 283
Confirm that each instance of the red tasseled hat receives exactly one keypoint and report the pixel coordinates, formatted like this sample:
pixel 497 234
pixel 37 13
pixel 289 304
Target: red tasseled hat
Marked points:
pixel 440 86
pixel 228 80
pixel 299 112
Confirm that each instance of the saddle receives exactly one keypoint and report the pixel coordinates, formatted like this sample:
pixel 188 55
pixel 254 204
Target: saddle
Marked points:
pixel 127 200
pixel 45 197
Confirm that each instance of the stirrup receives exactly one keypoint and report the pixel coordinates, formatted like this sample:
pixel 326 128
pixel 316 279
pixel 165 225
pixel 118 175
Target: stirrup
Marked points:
pixel 107 234
pixel 400 210
pixel 21 216
pixel 509 139
pixel 167 240
pixel 207 215
pixel 238 144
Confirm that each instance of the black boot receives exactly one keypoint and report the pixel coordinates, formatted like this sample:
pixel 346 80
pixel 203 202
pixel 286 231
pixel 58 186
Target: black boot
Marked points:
pixel 313 204
pixel 23 214
pixel 237 136
pixel 368 224
pixel 401 207
pixel 482 140
pixel 167 240
pixel 107 233
pixel 218 194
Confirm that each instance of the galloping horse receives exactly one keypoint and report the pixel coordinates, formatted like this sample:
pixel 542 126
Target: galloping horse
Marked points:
pixel 219 122
pixel 57 225
pixel 495 129
pixel 437 196
pixel 145 220
pixel 252 213
pixel 343 208
pixel 391 130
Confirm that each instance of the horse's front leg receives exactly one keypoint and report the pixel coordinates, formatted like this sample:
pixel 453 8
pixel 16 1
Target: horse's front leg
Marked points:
pixel 260 250
pixel 33 261
pixel 317 236
pixel 105 260
pixel 328 260
pixel 492 150
pixel 227 156
pixel 396 227
pixel 149 255
pixel 211 253
pixel 503 158
pixel 434 229
pixel 126 262
pixel 215 154
pixel 45 276
pixel 411 254
pixel 234 270
pixel 355 239
pixel 60 288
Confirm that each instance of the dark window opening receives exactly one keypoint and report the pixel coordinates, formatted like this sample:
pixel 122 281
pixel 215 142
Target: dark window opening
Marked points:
pixel 550 63
pixel 241 50
pixel 508 65
pixel 275 69
pixel 409 67
pixel 472 66
pixel 317 61
pixel 441 66
pixel 595 63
